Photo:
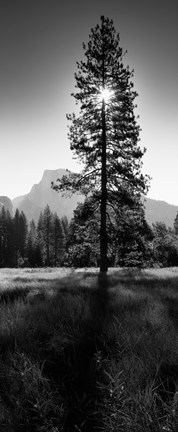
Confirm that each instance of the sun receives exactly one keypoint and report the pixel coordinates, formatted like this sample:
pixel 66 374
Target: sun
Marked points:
pixel 105 94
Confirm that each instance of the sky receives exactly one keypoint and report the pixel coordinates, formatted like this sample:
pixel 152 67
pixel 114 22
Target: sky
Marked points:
pixel 40 43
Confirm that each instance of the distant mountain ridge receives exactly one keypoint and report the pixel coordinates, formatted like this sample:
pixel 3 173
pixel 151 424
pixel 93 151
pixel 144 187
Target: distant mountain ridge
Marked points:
pixel 160 211
pixel 6 203
pixel 41 194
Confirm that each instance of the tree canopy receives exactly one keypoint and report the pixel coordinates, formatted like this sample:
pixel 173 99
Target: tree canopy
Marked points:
pixel 104 134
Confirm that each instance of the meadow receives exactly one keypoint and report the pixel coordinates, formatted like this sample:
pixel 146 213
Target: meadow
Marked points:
pixel 82 352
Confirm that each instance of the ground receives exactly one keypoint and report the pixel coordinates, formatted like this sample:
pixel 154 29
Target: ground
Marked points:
pixel 80 351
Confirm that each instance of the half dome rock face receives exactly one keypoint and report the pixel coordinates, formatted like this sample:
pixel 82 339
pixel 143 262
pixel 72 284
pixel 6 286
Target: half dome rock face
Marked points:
pixel 52 175
pixel 6 203
pixel 42 194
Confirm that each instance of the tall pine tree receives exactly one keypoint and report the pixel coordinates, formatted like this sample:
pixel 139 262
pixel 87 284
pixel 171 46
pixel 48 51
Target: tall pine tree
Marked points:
pixel 104 135
pixel 20 236
pixel 58 240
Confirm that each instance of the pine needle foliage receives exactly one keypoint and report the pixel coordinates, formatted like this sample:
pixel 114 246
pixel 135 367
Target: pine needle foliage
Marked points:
pixel 104 134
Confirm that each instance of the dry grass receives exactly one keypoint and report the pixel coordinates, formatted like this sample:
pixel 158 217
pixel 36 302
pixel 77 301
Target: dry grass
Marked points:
pixel 79 352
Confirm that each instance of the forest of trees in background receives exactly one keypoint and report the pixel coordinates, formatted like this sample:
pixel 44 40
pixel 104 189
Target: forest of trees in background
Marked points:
pixel 55 242
pixel 29 244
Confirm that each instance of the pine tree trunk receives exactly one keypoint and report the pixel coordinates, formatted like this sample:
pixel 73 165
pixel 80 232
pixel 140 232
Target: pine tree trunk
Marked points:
pixel 103 233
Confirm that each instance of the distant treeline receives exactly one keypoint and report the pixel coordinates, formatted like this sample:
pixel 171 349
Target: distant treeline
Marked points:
pixel 53 241
pixel 34 245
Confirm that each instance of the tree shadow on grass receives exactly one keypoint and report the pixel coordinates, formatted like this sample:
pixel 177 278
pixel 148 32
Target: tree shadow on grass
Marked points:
pixel 84 386
pixel 74 367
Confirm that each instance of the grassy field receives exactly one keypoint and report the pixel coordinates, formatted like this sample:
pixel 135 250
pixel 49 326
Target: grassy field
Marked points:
pixel 79 352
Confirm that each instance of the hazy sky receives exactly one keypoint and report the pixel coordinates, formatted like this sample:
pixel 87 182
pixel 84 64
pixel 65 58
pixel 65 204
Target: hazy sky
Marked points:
pixel 40 42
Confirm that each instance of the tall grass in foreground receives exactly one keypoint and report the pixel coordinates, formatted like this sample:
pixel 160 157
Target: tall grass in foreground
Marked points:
pixel 76 355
